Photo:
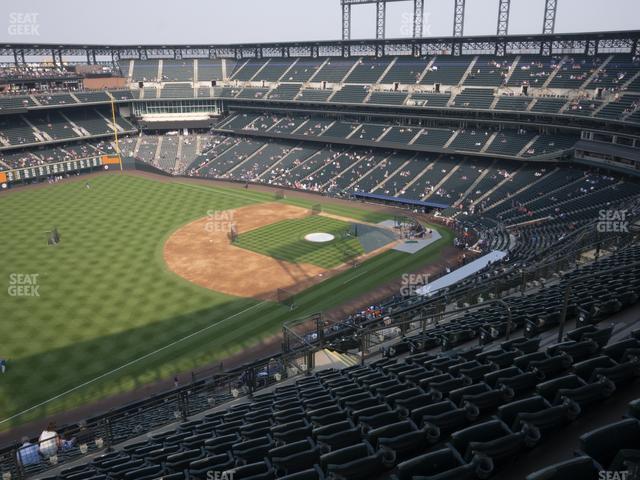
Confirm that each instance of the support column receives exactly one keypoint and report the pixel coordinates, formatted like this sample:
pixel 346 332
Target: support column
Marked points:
pixel 549 20
pixel 458 26
pixel 503 17
pixel 380 19
pixel 418 18
pixel 458 18
pixel 346 21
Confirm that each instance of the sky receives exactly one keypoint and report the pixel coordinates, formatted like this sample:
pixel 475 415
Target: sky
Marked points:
pixel 126 22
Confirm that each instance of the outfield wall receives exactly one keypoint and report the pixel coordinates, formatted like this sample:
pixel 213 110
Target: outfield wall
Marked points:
pixel 39 172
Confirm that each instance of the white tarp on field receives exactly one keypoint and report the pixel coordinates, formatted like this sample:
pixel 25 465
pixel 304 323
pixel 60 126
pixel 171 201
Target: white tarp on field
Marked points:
pixel 461 273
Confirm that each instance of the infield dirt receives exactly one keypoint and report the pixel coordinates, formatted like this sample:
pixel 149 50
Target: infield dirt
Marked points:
pixel 202 253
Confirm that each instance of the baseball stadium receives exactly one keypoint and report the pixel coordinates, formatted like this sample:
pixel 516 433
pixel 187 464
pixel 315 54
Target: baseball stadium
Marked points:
pixel 409 254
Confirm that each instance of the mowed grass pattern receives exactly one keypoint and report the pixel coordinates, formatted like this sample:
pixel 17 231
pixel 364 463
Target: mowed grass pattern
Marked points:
pixel 284 240
pixel 105 295
pixel 109 309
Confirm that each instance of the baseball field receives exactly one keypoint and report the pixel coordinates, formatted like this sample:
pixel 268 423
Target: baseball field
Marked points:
pixel 146 282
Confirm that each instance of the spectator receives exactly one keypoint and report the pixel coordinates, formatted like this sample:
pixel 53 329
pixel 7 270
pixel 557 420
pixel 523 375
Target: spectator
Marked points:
pixel 49 441
pixel 68 442
pixel 28 453
pixel 85 435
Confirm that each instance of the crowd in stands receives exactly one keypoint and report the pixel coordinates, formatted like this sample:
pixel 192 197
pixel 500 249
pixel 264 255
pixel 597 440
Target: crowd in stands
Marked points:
pixel 50 444
pixel 635 105
pixel 13 73
pixel 372 312
pixel 538 72
pixel 38 71
pixel 577 69
pixel 16 159
pixel 577 105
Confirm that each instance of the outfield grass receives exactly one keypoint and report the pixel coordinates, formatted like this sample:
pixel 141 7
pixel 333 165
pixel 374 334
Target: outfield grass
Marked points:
pixel 106 298
pixel 284 240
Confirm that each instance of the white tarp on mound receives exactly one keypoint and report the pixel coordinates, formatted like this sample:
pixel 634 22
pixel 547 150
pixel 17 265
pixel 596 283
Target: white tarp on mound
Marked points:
pixel 319 237
pixel 461 273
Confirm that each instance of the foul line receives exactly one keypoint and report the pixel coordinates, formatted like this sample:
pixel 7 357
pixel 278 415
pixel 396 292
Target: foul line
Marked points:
pixel 356 276
pixel 132 362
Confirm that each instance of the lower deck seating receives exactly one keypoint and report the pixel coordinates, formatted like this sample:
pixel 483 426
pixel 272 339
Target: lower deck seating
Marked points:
pixel 388 98
pixel 429 99
pixel 176 90
pixel 89 96
pixel 8 102
pixel 548 105
pixel 55 99
pixel 351 94
pixel 168 154
pixel 401 135
pixel 472 140
pixel 486 200
pixel 473 98
pixel 232 157
pixel 253 93
pixel 314 95
pixel 147 148
pixel 22 158
pixel 285 91
pixel 510 143
pixel 516 103
pixel 433 136
pixel 261 161
pixel 549 143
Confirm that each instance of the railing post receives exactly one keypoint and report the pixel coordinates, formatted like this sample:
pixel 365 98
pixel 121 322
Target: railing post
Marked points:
pixel 310 357
pixel 252 381
pixel 563 316
pixel 108 433
pixel 183 404
pixel 509 321
pixel 18 468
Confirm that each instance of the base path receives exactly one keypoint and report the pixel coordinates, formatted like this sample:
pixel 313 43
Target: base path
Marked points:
pixel 202 253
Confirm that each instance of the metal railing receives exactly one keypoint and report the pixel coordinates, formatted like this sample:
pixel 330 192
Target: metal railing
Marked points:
pixel 100 433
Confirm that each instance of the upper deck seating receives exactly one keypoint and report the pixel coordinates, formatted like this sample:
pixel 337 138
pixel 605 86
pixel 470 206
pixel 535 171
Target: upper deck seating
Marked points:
pixel 177 70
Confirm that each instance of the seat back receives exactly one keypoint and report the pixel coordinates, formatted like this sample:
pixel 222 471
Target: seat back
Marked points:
pixel 482 432
pixel 549 388
pixel 430 464
pixel 507 413
pixel 581 467
pixel 603 444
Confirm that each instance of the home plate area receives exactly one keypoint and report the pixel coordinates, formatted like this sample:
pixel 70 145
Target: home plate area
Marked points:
pixel 413 236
